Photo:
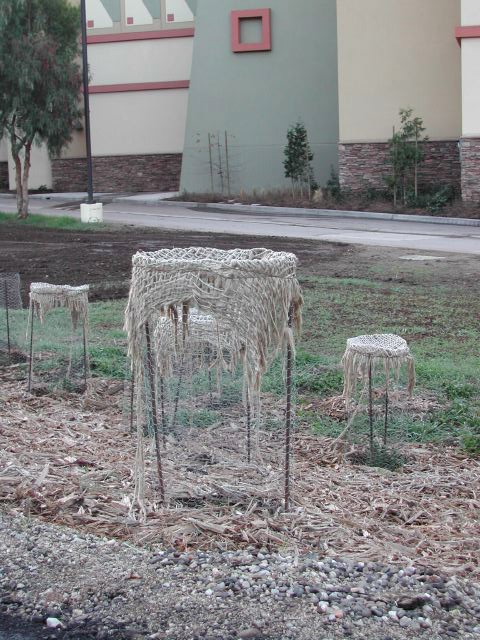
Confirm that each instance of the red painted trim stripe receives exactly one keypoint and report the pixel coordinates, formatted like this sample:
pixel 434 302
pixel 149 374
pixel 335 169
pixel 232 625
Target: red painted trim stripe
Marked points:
pixel 467 32
pixel 139 86
pixel 141 35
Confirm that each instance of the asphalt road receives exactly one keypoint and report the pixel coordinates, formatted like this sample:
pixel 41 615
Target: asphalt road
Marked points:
pixel 422 237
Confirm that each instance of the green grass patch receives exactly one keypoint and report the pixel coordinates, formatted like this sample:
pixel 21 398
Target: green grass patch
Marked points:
pixel 439 323
pixel 51 222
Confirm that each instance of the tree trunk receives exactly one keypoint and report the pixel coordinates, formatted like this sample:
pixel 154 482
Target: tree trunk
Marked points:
pixel 23 213
pixel 18 179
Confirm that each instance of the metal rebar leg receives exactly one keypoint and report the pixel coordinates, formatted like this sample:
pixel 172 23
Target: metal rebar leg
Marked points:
pixel 162 410
pixel 210 394
pixel 85 359
pixel 385 424
pixel 132 397
pixel 9 346
pixel 177 392
pixel 30 361
pixel 249 429
pixel 288 416
pixel 370 406
pixel 153 400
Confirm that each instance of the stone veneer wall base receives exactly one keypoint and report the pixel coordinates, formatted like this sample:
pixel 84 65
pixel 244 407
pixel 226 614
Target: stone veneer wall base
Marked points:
pixel 470 157
pixel 364 165
pixel 114 174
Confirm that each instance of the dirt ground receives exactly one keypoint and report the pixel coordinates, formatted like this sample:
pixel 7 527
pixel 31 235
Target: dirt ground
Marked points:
pixel 103 258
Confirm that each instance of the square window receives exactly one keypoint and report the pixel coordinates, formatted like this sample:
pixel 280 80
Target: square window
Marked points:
pixel 170 17
pixel 90 24
pixel 129 20
pixel 251 30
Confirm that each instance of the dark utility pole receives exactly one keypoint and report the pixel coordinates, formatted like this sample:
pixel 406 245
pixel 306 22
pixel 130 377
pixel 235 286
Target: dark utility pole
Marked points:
pixel 86 103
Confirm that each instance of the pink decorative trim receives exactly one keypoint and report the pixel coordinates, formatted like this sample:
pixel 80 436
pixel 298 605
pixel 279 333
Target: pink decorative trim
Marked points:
pixel 141 35
pixel 139 86
pixel 467 32
pixel 265 15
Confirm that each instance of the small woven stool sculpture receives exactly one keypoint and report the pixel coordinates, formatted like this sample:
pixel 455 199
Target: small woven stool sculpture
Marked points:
pixel 44 297
pixel 362 356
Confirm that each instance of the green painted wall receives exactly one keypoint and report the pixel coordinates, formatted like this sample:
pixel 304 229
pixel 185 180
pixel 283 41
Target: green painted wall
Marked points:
pixel 256 96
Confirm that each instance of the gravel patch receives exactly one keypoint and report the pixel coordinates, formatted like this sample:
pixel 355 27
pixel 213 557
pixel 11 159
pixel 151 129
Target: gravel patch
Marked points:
pixel 76 585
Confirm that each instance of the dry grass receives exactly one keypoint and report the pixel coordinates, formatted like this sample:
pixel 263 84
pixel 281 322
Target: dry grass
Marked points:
pixel 69 460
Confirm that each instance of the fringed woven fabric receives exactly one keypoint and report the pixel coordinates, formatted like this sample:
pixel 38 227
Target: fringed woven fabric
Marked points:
pixel 44 297
pixel 247 291
pixel 386 350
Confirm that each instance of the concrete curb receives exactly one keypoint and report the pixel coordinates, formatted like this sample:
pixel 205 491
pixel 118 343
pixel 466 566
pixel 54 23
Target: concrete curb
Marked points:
pixel 152 201
pixel 315 213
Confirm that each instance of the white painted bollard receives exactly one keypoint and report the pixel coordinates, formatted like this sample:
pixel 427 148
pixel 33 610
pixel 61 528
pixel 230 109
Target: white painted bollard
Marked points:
pixel 91 212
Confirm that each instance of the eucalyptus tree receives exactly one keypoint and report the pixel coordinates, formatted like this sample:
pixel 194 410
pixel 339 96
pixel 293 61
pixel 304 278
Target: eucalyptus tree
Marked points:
pixel 40 80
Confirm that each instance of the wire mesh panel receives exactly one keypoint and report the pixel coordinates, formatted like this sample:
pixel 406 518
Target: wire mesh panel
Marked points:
pixel 11 319
pixel 204 325
pixel 57 337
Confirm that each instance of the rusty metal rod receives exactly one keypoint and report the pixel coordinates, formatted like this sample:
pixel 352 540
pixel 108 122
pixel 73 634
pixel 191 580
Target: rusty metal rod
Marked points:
pixel 249 428
pixel 385 424
pixel 85 358
pixel 288 415
pixel 162 410
pixel 9 347
pixel 370 406
pixel 30 364
pixel 132 398
pixel 153 402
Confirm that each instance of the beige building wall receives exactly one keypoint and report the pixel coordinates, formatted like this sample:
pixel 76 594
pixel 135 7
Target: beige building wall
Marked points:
pixel 138 122
pixel 394 54
pixel 140 61
pixel 470 12
pixel 470 49
pixel 40 169
pixel 3 150
pixel 77 147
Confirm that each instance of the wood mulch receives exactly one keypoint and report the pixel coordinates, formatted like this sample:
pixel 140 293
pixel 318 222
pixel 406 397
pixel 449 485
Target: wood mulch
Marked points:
pixel 69 460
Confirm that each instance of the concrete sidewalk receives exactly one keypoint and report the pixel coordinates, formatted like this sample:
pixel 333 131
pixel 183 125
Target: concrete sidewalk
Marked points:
pixel 329 226
pixel 155 199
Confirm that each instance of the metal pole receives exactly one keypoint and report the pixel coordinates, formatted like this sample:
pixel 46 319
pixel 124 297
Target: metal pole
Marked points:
pixel 30 365
pixel 249 429
pixel 8 322
pixel 162 409
pixel 85 358
pixel 227 160
pixel 370 406
pixel 86 103
pixel 211 161
pixel 153 401
pixel 385 425
pixel 132 396
pixel 288 416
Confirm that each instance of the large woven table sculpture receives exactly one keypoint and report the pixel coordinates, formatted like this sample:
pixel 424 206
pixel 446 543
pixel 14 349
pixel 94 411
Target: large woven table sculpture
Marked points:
pixel 244 304
pixel 365 354
pixel 44 297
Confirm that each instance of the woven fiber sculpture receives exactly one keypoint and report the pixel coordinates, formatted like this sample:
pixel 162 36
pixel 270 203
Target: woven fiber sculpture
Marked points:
pixel 363 356
pixel 246 303
pixel 44 297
